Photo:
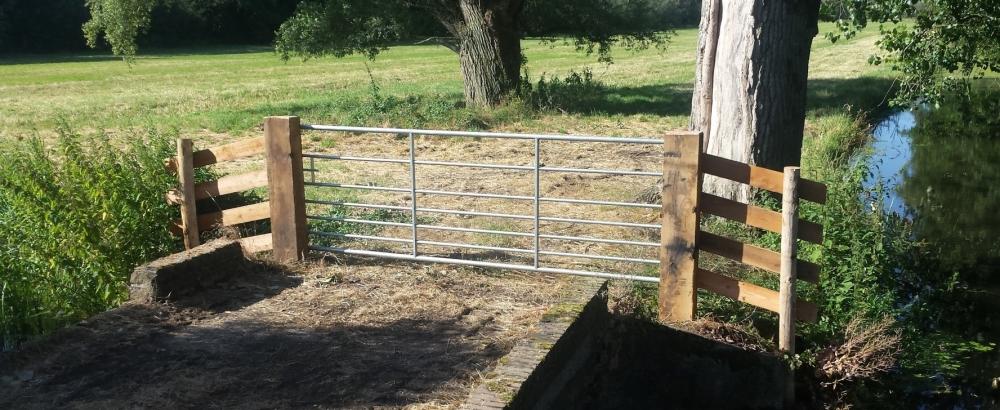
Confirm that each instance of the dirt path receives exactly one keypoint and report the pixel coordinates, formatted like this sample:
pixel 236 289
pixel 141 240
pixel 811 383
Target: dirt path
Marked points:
pixel 341 336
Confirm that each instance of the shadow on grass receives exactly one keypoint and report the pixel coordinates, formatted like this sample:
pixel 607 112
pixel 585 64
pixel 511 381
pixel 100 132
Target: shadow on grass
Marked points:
pixel 659 99
pixel 871 94
pixel 446 110
pixel 824 95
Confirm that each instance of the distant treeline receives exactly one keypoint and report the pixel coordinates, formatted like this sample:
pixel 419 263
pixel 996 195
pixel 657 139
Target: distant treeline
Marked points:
pixel 40 26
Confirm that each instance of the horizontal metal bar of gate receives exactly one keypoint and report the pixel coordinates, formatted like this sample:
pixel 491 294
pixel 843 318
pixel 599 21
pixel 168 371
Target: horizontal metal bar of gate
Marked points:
pixel 542 168
pixel 474 246
pixel 434 259
pixel 601 171
pixel 479 134
pixel 355 236
pixel 353 186
pixel 593 222
pixel 360 221
pixel 602 257
pixel 474 213
pixel 489 214
pixel 357 205
pixel 420 242
pixel 351 158
pixel 599 240
pixel 424 226
pixel 491 196
pixel 420 162
pixel 488 248
pixel 487 231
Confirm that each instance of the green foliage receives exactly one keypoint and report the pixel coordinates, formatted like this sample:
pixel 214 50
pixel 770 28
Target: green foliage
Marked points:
pixel 75 219
pixel 341 28
pixel 120 22
pixel 125 24
pixel 938 46
pixel 877 263
pixel 415 111
pixel 575 92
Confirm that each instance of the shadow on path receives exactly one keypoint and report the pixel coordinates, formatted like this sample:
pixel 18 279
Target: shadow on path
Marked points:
pixel 199 353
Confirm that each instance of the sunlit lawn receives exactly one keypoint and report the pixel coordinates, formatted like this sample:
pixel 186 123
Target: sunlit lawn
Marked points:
pixel 227 91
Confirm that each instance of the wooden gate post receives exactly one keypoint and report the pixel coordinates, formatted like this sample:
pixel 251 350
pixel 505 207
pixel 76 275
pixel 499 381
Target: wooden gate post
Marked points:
pixel 678 254
pixel 286 189
pixel 185 175
pixel 789 256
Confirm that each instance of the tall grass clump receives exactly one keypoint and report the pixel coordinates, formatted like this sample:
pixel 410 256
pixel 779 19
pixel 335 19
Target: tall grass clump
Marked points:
pixel 577 91
pixel 77 214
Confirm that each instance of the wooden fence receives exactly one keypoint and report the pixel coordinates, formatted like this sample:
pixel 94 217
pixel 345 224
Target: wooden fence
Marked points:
pixel 281 147
pixel 684 166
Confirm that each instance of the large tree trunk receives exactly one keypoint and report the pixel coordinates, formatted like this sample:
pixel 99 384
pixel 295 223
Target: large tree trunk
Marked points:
pixel 489 50
pixel 758 88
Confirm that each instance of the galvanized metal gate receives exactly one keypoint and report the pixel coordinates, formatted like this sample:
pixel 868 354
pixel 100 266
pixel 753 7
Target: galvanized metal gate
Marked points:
pixel 537 167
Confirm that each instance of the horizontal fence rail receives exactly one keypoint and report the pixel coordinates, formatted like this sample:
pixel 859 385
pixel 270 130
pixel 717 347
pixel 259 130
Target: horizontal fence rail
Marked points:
pixel 281 148
pixel 479 134
pixel 192 222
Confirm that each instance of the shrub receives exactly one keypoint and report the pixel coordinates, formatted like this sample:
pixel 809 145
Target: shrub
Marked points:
pixel 75 218
pixel 575 92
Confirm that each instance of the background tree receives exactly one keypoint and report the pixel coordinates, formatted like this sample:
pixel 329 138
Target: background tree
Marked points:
pixel 937 46
pixel 485 34
pixel 41 25
pixel 751 105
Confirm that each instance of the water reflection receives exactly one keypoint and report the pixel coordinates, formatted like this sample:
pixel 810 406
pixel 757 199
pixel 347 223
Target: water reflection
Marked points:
pixel 891 153
pixel 941 168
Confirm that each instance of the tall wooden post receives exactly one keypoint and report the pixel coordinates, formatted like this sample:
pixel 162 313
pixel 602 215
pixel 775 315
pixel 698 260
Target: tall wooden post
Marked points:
pixel 678 254
pixel 789 255
pixel 185 175
pixel 286 190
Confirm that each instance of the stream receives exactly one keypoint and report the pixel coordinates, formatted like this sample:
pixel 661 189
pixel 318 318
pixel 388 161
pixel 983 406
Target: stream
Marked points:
pixel 939 168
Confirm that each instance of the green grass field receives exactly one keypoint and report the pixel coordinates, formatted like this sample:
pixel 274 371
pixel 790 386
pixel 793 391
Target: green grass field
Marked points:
pixel 228 91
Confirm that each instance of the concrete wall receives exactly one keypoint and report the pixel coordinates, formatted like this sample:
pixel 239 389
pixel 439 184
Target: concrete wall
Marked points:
pixel 611 362
pixel 187 272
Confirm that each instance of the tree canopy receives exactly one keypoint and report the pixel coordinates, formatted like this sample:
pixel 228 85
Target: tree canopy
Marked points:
pixel 485 34
pixel 936 45
pixel 344 27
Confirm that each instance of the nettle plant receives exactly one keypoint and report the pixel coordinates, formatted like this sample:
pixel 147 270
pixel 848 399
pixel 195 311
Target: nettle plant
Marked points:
pixel 76 216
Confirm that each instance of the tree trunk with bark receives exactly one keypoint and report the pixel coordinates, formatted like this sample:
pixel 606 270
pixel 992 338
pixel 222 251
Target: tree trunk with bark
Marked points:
pixel 756 93
pixel 489 49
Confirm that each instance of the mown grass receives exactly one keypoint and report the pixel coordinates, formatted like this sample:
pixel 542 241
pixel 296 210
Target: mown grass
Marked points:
pixel 229 90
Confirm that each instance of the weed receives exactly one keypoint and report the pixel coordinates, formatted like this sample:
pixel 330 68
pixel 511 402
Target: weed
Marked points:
pixel 75 219
pixel 574 92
